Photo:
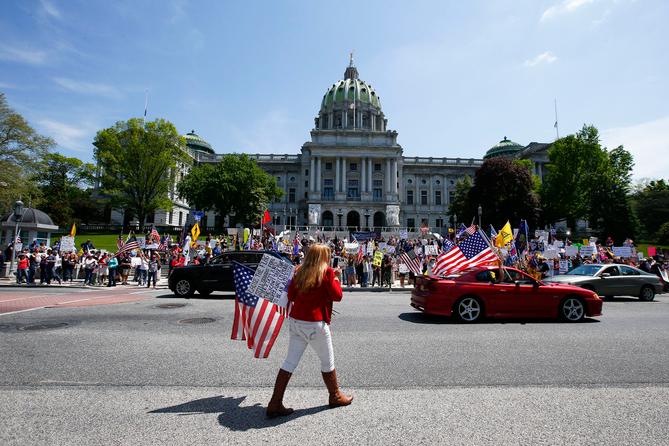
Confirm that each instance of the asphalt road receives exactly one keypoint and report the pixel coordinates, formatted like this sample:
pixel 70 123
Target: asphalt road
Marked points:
pixel 131 373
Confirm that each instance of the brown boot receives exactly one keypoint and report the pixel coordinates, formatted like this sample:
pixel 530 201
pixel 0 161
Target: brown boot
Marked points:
pixel 275 407
pixel 337 398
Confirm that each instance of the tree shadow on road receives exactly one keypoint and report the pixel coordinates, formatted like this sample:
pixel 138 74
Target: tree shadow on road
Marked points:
pixel 234 416
pixel 421 318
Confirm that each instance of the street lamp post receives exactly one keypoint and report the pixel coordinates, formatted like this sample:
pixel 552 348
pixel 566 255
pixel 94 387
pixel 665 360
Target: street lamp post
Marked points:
pixel 480 214
pixel 18 216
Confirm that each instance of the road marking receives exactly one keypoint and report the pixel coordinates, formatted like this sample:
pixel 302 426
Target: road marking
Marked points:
pixel 22 311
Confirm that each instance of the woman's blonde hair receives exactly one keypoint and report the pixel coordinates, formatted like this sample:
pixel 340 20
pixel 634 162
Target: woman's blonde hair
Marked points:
pixel 310 274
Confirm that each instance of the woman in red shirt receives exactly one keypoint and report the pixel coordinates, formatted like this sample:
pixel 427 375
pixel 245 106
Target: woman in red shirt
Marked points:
pixel 311 293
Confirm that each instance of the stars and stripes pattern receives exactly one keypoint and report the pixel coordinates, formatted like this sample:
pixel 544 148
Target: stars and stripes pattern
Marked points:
pixel 412 262
pixel 258 321
pixel 127 247
pixel 154 235
pixel 474 251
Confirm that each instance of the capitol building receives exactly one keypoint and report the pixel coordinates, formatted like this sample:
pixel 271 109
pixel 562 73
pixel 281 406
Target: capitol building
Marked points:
pixel 352 174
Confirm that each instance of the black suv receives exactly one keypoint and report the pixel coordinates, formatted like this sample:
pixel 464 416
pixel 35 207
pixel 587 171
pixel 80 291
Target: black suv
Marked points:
pixel 216 275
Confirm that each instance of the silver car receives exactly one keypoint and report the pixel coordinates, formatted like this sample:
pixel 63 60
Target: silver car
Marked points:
pixel 613 280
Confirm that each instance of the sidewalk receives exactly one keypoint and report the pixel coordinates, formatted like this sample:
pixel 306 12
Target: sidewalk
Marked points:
pixel 6 282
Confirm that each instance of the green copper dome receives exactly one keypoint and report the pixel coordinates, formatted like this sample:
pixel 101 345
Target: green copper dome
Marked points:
pixel 344 92
pixel 505 147
pixel 194 142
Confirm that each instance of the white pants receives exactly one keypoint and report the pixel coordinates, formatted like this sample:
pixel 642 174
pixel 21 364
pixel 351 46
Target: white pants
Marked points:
pixel 316 334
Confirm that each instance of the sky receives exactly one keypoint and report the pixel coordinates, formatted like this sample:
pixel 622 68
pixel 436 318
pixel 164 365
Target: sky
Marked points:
pixel 454 77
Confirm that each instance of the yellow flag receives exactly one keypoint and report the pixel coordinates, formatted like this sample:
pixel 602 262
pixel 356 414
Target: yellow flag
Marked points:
pixel 73 231
pixel 195 233
pixel 247 234
pixel 505 235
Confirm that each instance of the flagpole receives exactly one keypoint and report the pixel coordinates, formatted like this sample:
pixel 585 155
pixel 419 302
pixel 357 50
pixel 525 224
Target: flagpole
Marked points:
pixel 557 131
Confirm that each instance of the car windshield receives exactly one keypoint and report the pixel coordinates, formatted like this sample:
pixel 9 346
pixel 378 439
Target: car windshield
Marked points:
pixel 585 270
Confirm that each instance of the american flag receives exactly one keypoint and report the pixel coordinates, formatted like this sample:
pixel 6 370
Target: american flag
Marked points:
pixel 119 243
pixel 154 235
pixel 447 245
pixel 360 255
pixel 410 259
pixel 258 321
pixel 472 252
pixel 129 246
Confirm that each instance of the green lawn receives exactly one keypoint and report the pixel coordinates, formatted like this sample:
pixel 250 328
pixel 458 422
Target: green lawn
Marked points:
pixel 643 247
pixel 100 241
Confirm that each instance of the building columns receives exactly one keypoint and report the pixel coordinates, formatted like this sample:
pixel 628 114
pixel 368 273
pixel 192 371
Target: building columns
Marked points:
pixel 370 175
pixel 394 177
pixel 337 175
pixel 343 175
pixel 388 175
pixel 318 173
pixel 363 175
pixel 312 174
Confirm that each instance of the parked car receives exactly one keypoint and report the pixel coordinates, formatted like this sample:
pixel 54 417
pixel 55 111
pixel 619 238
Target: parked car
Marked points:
pixel 480 292
pixel 215 275
pixel 613 280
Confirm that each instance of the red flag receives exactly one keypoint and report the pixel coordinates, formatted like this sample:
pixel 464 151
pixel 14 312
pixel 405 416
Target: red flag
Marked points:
pixel 266 218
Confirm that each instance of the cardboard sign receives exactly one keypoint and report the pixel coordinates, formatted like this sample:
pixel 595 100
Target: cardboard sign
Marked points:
pixel 402 268
pixel 622 251
pixel 390 249
pixel 430 250
pixel 151 246
pixel 232 231
pixel 67 244
pixel 351 248
pixel 587 251
pixel 378 258
pixel 564 266
pixel 571 251
pixel 652 251
pixel 404 235
pixel 270 281
pixel 551 254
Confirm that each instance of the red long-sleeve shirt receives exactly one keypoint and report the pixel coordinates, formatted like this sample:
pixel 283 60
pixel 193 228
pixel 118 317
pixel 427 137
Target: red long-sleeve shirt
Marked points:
pixel 315 304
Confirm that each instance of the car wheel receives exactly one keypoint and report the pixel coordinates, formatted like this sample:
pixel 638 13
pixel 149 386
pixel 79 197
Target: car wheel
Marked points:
pixel 572 309
pixel 204 292
pixel 647 293
pixel 469 309
pixel 183 288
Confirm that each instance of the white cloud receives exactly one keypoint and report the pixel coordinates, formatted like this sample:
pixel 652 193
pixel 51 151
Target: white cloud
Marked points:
pixel 649 144
pixel 50 9
pixel 562 8
pixel 68 136
pixel 545 57
pixel 13 54
pixel 91 88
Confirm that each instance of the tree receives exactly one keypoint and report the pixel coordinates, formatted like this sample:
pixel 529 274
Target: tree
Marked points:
pixel 137 161
pixel 652 206
pixel 21 148
pixel 585 181
pixel 65 185
pixel 504 189
pixel 235 185
pixel 458 205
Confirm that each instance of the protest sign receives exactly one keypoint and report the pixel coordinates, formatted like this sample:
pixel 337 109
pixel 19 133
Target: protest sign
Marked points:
pixel 270 281
pixel 378 258
pixel 430 250
pixel 18 247
pixel 142 243
pixel 351 248
pixel 404 235
pixel 383 246
pixel 154 246
pixel 212 243
pixel 232 231
pixel 639 255
pixel 587 251
pixel 564 266
pixel 571 251
pixel 402 268
pixel 652 251
pixel 390 249
pixel 67 244
pixel 551 254
pixel 622 251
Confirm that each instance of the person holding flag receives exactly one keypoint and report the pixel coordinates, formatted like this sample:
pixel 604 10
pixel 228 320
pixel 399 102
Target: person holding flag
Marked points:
pixel 312 291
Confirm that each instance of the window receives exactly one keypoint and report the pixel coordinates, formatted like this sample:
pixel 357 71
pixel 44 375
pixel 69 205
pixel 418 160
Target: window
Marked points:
pixel 377 168
pixel 440 223
pixel 409 181
pixel 306 184
pixel 292 179
pixel 377 192
pixel 291 195
pixel 409 197
pixel 306 171
pixel 180 218
pixel 437 182
pixel 423 197
pixel 169 217
pixel 354 166
pixel 451 196
pixel 328 165
pixel 486 276
pixel 278 180
pixel 612 270
pixel 437 197
pixel 627 271
pixel 424 182
pixel 328 189
pixel 277 220
pixel 411 223
pixel 353 190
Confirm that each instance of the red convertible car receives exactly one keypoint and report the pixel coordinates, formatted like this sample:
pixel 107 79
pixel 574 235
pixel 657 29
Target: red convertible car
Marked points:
pixel 486 291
